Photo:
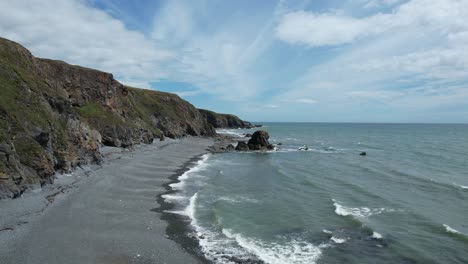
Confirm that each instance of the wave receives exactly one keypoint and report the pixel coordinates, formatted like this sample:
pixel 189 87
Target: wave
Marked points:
pixel 463 187
pixel 200 165
pixel 237 199
pixel 451 230
pixel 226 247
pixel 190 209
pixel 232 132
pixel 376 235
pixel 295 251
pixel 358 212
pixel 172 197
pixel 338 240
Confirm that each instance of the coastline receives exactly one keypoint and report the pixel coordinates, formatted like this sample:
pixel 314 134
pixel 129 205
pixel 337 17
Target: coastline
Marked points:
pixel 107 216
pixel 179 226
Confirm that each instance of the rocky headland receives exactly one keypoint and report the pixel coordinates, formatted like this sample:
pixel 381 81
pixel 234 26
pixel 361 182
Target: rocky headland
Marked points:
pixel 55 117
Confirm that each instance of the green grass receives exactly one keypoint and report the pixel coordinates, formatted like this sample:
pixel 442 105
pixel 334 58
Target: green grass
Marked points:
pixel 3 168
pixel 92 110
pixel 8 89
pixel 29 151
pixel 97 114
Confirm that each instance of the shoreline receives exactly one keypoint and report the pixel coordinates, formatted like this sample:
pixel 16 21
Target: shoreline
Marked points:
pixel 179 226
pixel 89 211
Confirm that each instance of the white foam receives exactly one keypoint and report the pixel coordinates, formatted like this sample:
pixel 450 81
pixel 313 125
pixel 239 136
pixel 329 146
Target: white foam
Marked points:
pixel 295 251
pixel 338 240
pixel 176 212
pixel 451 230
pixel 171 197
pixel 358 212
pixel 327 231
pixel 376 235
pixel 190 210
pixel 201 164
pixel 461 186
pixel 237 199
pixel 232 132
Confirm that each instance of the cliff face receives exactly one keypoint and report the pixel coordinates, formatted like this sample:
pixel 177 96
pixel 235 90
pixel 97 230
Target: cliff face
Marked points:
pixel 224 120
pixel 55 116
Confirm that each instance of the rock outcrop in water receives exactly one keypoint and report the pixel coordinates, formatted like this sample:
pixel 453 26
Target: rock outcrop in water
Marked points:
pixel 259 141
pixel 55 116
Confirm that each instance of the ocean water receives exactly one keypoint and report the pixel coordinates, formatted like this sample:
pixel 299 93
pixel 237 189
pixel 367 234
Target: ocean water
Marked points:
pixel 405 202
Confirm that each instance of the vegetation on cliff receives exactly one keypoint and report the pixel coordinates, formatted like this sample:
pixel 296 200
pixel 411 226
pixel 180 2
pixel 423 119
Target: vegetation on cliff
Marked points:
pixel 224 120
pixel 55 116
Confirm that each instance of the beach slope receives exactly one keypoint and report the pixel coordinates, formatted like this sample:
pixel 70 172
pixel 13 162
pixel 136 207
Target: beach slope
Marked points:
pixel 109 218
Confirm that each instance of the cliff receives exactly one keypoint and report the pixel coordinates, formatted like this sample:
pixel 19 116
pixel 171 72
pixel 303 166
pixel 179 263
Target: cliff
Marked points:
pixel 224 120
pixel 55 116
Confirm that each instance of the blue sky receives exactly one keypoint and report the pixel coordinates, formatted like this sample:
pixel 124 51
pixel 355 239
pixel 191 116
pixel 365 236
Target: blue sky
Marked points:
pixel 319 61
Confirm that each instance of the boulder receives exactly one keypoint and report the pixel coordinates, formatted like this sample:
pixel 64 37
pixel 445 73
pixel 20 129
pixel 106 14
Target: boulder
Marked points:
pixel 162 137
pixel 248 135
pixel 242 146
pixel 230 147
pixel 363 153
pixel 259 141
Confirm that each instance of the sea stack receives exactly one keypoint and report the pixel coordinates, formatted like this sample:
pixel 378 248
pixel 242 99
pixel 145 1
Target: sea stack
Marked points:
pixel 259 141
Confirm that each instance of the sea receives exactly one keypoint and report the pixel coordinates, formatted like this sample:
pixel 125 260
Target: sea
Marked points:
pixel 406 201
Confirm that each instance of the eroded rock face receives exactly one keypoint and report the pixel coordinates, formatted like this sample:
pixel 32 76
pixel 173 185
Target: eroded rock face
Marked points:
pixel 224 120
pixel 259 141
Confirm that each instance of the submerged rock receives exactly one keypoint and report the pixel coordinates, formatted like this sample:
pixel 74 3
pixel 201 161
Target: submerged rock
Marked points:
pixel 363 153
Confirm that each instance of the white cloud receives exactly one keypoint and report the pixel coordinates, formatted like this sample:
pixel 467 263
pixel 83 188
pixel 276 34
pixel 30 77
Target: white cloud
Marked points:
pixel 76 33
pixel 414 58
pixel 315 29
pixel 213 58
pixel 187 93
pixel 301 100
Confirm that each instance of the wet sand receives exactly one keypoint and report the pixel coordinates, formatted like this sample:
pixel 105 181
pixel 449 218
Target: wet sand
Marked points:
pixel 105 215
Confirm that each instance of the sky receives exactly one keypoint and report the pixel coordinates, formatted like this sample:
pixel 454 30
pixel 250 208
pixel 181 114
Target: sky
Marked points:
pixel 293 61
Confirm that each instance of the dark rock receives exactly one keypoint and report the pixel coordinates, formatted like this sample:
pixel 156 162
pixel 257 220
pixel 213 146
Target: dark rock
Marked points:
pixel 224 120
pixel 162 137
pixel 43 139
pixel 363 153
pixel 259 141
pixel 248 135
pixel 230 147
pixel 242 146
pixel 6 148
pixel 279 144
